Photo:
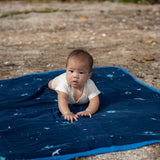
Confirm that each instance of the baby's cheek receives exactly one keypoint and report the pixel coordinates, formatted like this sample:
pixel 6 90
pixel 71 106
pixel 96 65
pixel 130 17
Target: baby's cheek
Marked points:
pixel 68 80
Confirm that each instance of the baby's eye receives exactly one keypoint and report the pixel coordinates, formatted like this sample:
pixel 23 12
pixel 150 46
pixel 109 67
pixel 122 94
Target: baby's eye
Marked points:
pixel 71 71
pixel 80 72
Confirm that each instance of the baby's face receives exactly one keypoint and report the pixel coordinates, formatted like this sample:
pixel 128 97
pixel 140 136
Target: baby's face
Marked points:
pixel 77 72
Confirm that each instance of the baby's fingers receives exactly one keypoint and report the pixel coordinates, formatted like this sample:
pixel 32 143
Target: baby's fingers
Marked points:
pixel 79 114
pixel 75 118
pixel 87 115
pixel 70 118
pixel 84 113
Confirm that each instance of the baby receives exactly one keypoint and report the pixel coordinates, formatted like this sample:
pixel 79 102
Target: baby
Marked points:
pixel 75 86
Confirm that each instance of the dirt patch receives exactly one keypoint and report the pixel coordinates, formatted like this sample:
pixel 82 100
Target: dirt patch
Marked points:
pixel 125 35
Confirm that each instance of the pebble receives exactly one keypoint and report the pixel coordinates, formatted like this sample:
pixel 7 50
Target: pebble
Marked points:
pixel 157 19
pixel 140 75
pixel 104 35
pixel 6 63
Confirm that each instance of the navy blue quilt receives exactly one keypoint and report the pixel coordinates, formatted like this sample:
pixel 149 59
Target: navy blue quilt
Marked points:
pixel 31 126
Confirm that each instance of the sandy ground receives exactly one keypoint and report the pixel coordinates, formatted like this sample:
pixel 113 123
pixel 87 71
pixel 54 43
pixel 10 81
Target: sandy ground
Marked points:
pixel 125 35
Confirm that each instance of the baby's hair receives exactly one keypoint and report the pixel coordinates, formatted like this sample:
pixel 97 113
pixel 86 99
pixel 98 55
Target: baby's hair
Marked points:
pixel 80 53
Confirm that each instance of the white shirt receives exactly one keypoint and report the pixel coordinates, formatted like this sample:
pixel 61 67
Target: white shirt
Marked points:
pixel 90 90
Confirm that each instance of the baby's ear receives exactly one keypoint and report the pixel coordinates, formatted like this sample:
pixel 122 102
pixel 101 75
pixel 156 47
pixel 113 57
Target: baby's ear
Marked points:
pixel 89 75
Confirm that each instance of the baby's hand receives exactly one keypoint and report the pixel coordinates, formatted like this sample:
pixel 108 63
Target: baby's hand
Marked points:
pixel 84 113
pixel 70 116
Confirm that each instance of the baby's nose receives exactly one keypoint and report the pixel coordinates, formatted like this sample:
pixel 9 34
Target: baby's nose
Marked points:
pixel 75 75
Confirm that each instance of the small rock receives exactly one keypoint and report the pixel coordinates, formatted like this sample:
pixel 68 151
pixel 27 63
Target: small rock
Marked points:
pixel 6 63
pixel 140 75
pixel 104 35
pixel 157 19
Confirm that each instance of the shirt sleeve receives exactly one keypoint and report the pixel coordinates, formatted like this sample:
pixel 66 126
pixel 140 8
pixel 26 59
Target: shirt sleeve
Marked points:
pixel 92 89
pixel 60 83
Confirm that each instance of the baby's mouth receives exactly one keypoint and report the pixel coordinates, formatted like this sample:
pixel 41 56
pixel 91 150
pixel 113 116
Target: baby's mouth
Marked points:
pixel 74 82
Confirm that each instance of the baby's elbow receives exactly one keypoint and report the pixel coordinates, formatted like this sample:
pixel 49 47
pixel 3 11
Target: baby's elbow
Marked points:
pixel 50 84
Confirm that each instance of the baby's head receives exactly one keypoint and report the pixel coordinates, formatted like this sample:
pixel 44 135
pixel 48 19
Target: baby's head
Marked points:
pixel 81 56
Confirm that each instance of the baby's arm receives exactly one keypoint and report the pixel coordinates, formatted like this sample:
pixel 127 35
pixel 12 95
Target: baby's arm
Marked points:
pixel 92 107
pixel 63 107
